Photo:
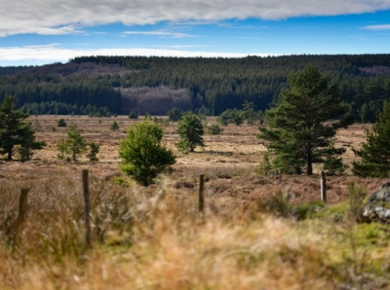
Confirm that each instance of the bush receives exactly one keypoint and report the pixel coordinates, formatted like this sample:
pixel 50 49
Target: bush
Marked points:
pixel 214 129
pixel 143 155
pixel 61 146
pixel 133 115
pixel 114 126
pixel 233 116
pixel 61 123
pixel 94 150
pixel 265 166
pixel 175 114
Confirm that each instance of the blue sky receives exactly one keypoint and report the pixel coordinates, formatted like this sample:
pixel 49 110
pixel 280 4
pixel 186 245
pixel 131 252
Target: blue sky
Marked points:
pixel 43 31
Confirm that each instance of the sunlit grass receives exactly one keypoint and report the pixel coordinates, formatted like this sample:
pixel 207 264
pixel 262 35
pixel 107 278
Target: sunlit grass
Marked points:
pixel 154 238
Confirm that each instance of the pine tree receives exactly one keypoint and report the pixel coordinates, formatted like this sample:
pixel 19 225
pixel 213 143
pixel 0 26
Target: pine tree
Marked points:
pixel 143 155
pixel 12 127
pixel 94 150
pixel 190 130
pixel 28 144
pixel 62 147
pixel 114 126
pixel 75 143
pixel 297 133
pixel 175 114
pixel 375 152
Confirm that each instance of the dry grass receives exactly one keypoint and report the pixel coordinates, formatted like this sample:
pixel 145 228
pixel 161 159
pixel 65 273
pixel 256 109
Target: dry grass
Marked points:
pixel 154 238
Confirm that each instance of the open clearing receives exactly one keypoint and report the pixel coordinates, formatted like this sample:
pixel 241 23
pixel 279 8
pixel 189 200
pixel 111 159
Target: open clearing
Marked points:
pixel 227 160
pixel 155 238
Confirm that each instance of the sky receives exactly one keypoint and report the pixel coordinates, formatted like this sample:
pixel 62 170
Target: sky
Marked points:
pixel 37 32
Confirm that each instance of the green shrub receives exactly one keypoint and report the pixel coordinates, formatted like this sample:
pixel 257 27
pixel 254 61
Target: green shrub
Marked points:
pixel 265 166
pixel 93 151
pixel 307 210
pixel 61 146
pixel 114 126
pixel 175 114
pixel 133 115
pixel 143 155
pixel 61 123
pixel 190 131
pixel 214 129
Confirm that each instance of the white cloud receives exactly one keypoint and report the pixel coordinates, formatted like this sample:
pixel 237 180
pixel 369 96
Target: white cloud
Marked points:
pixel 377 27
pixel 52 17
pixel 55 53
pixel 160 33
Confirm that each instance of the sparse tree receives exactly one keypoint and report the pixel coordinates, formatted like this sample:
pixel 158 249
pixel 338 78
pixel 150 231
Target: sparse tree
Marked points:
pixel 265 165
pixel 12 127
pixel 375 152
pixel 133 115
pixel 114 126
pixel 61 123
pixel 298 133
pixel 62 147
pixel 190 130
pixel 143 155
pixel 94 149
pixel 214 129
pixel 175 114
pixel 75 143
pixel 28 144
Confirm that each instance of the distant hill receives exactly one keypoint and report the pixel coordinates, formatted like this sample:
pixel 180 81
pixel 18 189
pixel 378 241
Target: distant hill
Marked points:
pixel 155 84
pixel 73 69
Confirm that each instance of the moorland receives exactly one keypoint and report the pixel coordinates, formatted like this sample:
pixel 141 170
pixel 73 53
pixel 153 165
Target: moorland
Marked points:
pixel 255 232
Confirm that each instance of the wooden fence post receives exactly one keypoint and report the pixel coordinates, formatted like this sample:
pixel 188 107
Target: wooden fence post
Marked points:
pixel 84 174
pixel 323 186
pixel 201 193
pixel 21 215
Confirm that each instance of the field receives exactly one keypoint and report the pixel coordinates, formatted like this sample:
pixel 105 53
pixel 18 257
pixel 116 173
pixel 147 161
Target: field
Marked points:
pixel 256 233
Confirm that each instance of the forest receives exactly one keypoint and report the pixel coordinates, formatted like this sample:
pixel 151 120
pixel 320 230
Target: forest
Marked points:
pixel 120 84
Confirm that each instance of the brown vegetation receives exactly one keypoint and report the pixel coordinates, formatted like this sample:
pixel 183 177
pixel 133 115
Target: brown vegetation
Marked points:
pixel 227 159
pixel 154 238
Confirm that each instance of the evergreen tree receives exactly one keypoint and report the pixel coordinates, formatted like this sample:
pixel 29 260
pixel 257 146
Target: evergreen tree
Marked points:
pixel 143 155
pixel 28 144
pixel 62 147
pixel 94 150
pixel 297 133
pixel 190 130
pixel 214 129
pixel 375 152
pixel 175 114
pixel 12 127
pixel 114 126
pixel 61 123
pixel 133 115
pixel 75 143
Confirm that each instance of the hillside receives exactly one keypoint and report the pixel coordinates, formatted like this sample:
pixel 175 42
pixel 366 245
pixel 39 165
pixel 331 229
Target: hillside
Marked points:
pixel 156 84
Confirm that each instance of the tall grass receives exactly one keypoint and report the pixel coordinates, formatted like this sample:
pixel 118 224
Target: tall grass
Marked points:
pixel 154 238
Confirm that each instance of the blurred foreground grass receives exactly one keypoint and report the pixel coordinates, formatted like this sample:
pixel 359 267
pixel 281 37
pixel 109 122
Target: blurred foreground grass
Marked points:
pixel 154 238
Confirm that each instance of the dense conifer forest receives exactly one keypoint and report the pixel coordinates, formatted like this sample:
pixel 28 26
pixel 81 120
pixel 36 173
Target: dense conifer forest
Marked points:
pixel 108 85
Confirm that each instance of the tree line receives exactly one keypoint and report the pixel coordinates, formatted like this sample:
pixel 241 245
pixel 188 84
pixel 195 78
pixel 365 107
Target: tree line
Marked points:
pixel 295 132
pixel 213 84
